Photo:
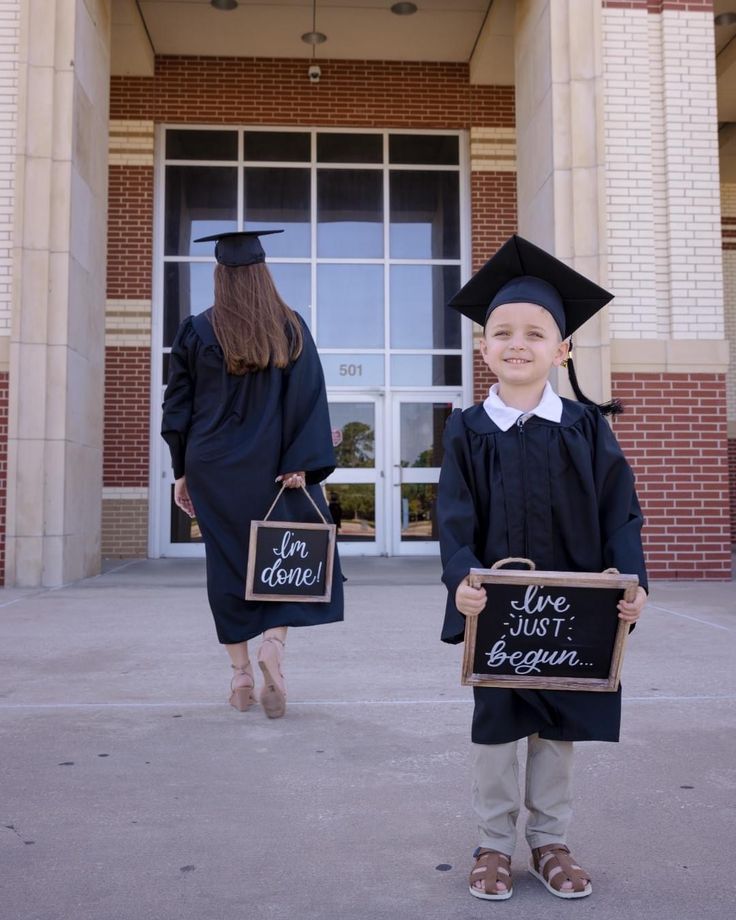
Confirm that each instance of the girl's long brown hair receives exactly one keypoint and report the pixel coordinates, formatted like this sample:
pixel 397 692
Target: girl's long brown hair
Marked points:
pixel 252 323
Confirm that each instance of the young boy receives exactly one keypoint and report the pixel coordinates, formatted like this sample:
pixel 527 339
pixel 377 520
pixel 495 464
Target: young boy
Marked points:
pixel 527 474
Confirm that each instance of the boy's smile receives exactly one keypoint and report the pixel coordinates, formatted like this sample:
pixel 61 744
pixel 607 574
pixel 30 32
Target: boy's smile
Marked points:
pixel 521 344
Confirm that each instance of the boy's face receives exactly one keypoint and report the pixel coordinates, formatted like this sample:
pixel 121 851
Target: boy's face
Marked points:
pixel 521 344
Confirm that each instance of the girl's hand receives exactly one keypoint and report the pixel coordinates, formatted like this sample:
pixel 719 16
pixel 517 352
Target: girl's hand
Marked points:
pixel 181 496
pixel 630 611
pixel 292 480
pixel 470 601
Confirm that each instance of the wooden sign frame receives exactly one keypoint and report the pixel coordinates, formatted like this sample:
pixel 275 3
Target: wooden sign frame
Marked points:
pixel 601 580
pixel 255 527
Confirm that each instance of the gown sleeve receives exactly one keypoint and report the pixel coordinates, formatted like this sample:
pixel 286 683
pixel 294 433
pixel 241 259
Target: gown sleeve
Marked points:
pixel 458 521
pixel 179 396
pixel 620 515
pixel 307 435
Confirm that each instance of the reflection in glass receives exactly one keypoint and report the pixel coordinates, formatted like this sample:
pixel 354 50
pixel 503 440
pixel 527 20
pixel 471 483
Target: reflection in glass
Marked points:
pixel 353 369
pixel 422 425
pixel 278 199
pixel 429 149
pixel 355 506
pixel 200 201
pixel 201 145
pixel 425 215
pixel 280 146
pixel 350 213
pixel 426 370
pixel 293 284
pixel 419 315
pixel 418 511
pixel 354 433
pixel 349 148
pixel 183 528
pixel 350 306
pixel 189 288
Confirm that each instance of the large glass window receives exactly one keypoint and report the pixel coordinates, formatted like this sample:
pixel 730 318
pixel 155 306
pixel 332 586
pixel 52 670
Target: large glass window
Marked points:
pixel 369 256
pixel 349 213
pixel 370 253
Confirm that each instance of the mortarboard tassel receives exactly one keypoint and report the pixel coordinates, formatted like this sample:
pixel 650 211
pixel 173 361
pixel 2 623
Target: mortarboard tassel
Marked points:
pixel 612 407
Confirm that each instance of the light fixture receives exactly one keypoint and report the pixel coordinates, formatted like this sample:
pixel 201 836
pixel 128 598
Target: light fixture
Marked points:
pixel 314 37
pixel 404 9
pixel 725 19
pixel 224 5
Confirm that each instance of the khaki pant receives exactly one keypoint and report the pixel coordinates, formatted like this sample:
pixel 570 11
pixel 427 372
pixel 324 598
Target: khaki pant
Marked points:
pixel 497 799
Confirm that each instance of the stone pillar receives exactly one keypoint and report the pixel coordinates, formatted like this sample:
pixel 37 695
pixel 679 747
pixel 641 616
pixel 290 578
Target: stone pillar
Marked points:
pixel 561 154
pixel 57 339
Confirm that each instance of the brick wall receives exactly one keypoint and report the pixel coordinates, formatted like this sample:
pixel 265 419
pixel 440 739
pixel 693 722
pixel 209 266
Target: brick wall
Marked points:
pixel 127 414
pixel 129 232
pixel 493 209
pixel 381 94
pixel 732 485
pixel 3 468
pixel 660 6
pixel 125 528
pixel 674 435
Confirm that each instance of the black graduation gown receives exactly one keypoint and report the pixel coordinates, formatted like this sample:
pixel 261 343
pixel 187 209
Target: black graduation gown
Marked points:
pixel 560 494
pixel 232 436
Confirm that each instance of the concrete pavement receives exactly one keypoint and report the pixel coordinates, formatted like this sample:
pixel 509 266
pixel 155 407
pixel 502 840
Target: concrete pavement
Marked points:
pixel 129 789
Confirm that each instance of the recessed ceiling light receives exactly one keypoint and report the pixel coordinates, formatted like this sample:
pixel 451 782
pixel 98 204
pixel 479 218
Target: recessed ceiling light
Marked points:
pixel 725 19
pixel 224 5
pixel 314 38
pixel 404 9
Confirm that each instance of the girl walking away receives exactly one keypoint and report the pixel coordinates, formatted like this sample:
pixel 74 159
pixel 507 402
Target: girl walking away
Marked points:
pixel 245 411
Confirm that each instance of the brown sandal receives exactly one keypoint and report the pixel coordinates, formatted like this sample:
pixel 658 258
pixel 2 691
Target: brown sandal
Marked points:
pixel 553 865
pixel 491 867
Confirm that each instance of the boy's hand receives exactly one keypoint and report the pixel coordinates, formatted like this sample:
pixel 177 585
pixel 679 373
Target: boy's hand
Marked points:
pixel 630 611
pixel 470 601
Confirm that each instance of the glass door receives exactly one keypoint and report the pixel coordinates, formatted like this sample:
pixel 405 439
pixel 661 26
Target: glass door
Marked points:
pixel 418 423
pixel 355 491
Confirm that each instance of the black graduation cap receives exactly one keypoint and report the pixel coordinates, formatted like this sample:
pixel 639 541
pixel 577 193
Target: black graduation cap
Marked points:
pixel 239 247
pixel 521 272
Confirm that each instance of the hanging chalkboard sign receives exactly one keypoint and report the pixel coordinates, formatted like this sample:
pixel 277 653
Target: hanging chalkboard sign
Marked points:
pixel 547 630
pixel 290 560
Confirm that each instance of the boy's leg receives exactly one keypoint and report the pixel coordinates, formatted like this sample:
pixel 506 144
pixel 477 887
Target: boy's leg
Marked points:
pixel 496 796
pixel 548 790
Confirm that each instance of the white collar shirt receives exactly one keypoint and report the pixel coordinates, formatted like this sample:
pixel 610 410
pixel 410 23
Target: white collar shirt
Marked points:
pixel 549 407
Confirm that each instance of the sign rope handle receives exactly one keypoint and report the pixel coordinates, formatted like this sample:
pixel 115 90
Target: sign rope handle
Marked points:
pixel 502 562
pixel 304 490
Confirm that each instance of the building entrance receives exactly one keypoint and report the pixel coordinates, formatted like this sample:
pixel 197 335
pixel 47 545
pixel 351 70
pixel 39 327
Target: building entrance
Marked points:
pixel 383 493
pixel 371 252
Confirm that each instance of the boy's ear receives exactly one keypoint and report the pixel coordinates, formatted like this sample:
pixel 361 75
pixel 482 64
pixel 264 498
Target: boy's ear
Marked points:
pixel 563 353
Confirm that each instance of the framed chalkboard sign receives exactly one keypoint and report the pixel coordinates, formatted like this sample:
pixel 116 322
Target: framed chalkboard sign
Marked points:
pixel 290 560
pixel 547 630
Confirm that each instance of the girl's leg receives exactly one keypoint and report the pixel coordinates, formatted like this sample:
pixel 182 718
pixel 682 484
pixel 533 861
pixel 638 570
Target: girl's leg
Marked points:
pixel 238 655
